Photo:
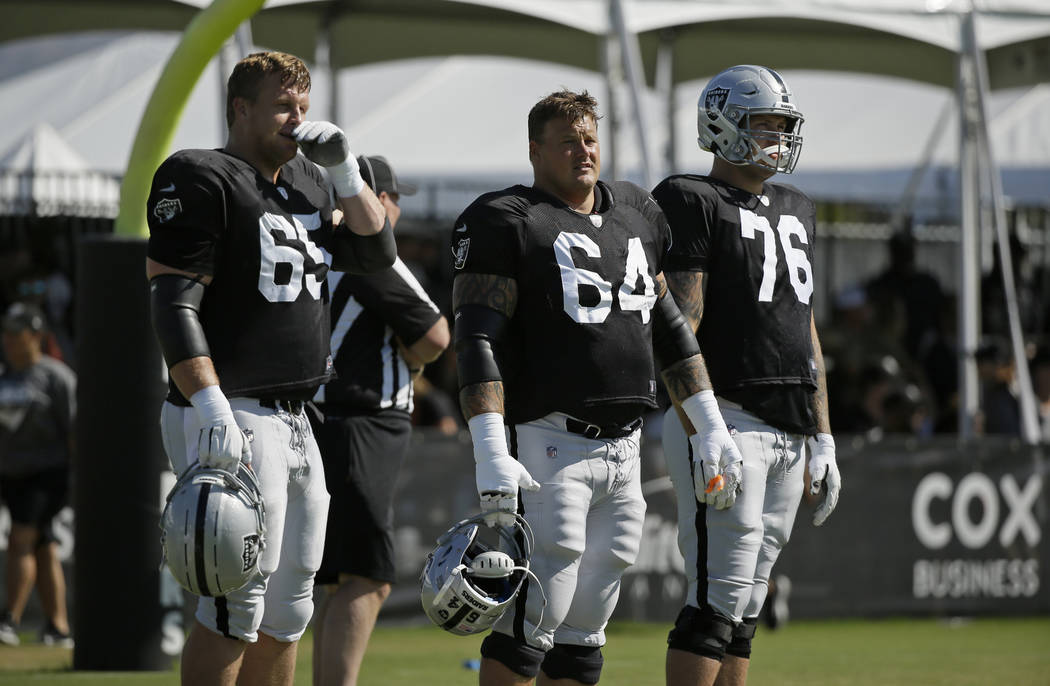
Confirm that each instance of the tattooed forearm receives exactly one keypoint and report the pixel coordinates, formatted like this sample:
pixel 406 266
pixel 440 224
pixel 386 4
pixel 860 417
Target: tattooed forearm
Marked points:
pixel 498 292
pixel 688 291
pixel 820 397
pixel 686 377
pixel 481 397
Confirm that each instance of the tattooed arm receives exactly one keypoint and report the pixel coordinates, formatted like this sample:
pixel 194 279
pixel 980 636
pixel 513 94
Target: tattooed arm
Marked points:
pixel 484 304
pixel 820 397
pixel 689 376
pixel 488 302
pixel 716 458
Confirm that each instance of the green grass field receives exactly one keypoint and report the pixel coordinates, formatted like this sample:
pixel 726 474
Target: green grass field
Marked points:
pixel 900 652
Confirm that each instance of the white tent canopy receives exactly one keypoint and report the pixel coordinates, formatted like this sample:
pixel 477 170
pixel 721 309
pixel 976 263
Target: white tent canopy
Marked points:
pixel 43 175
pixel 464 118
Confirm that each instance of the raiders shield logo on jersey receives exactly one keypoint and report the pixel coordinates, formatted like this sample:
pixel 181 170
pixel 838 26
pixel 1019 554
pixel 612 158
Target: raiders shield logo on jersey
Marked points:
pixel 166 209
pixel 460 253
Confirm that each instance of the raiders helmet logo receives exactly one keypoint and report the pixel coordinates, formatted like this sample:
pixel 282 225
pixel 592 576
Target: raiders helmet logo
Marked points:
pixel 460 253
pixel 166 209
pixel 716 99
pixel 250 555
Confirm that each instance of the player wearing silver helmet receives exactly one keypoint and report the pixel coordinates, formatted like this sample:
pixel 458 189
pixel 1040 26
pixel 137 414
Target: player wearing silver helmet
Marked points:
pixel 740 269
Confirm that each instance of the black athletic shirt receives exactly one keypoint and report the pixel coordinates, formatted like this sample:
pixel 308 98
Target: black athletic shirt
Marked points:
pixel 370 314
pixel 265 313
pixel 756 253
pixel 580 340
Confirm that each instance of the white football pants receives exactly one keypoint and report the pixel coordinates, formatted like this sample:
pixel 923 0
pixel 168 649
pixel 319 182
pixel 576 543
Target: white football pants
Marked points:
pixel 287 463
pixel 587 518
pixel 731 574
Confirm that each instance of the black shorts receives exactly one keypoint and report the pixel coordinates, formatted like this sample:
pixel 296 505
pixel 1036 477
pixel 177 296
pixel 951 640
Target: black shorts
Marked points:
pixel 362 458
pixel 35 499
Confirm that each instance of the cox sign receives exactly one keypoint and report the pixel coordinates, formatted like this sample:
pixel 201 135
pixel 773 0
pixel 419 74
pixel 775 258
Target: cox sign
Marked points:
pixel 1018 514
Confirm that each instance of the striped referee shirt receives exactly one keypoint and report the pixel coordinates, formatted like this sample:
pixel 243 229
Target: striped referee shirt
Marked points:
pixel 370 315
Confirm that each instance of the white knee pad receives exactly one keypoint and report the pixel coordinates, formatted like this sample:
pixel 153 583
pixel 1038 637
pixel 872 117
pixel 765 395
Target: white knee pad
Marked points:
pixel 287 621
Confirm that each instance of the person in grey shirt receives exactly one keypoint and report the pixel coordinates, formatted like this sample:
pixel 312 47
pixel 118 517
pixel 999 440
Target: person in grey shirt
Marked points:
pixel 37 408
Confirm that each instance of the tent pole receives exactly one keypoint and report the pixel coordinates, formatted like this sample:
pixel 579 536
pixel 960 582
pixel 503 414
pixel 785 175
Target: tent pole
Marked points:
pixel 1029 415
pixel 610 61
pixel 665 85
pixel 323 60
pixel 969 284
pixel 635 82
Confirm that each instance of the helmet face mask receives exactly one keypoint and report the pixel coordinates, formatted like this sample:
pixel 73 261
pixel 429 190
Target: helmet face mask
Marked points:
pixel 214 529
pixel 729 104
pixel 467 582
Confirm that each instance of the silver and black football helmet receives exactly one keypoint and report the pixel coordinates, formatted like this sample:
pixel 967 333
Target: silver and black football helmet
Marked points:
pixel 724 113
pixel 467 583
pixel 214 529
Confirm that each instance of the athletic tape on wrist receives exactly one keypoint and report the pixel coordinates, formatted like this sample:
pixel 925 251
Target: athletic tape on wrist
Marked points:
pixel 488 435
pixel 346 178
pixel 702 410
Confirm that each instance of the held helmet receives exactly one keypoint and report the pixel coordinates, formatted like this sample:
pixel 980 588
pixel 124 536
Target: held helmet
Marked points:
pixel 467 584
pixel 724 113
pixel 214 529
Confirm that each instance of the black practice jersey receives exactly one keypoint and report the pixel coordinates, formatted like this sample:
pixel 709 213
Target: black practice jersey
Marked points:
pixel 370 315
pixel 756 253
pixel 580 340
pixel 265 313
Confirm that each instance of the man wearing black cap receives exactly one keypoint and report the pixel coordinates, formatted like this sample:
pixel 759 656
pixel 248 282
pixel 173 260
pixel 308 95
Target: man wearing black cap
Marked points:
pixel 37 407
pixel 384 329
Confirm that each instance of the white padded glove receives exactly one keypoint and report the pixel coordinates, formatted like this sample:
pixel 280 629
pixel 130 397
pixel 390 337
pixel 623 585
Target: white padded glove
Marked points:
pixel 221 443
pixel 498 475
pixel 823 473
pixel 325 144
pixel 717 460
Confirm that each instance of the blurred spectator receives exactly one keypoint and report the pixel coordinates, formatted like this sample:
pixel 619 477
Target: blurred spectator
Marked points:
pixel 37 408
pixel 1041 385
pixel 905 412
pixel 863 411
pixel 1032 315
pixel 938 357
pixel 435 407
pixel 1000 409
pixel 904 284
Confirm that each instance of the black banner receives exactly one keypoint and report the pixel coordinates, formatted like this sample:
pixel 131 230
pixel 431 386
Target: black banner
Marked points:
pixel 922 528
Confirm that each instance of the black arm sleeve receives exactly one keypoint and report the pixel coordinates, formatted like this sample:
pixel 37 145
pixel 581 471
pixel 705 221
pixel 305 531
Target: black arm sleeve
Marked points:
pixel 673 340
pixel 478 329
pixel 175 304
pixel 359 254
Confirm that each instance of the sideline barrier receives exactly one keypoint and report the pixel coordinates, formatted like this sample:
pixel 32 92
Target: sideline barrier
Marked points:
pixel 922 528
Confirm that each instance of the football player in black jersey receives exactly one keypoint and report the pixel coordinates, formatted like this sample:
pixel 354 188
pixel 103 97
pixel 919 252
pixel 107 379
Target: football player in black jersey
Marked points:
pixel 741 272
pixel 385 328
pixel 560 304
pixel 240 307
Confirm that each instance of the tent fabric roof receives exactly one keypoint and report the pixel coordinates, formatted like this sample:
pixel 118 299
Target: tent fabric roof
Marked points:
pixel 863 133
pixel 791 33
pixel 43 175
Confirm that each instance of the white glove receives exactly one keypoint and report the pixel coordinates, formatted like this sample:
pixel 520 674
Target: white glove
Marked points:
pixel 717 460
pixel 498 475
pixel 823 473
pixel 325 144
pixel 221 443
